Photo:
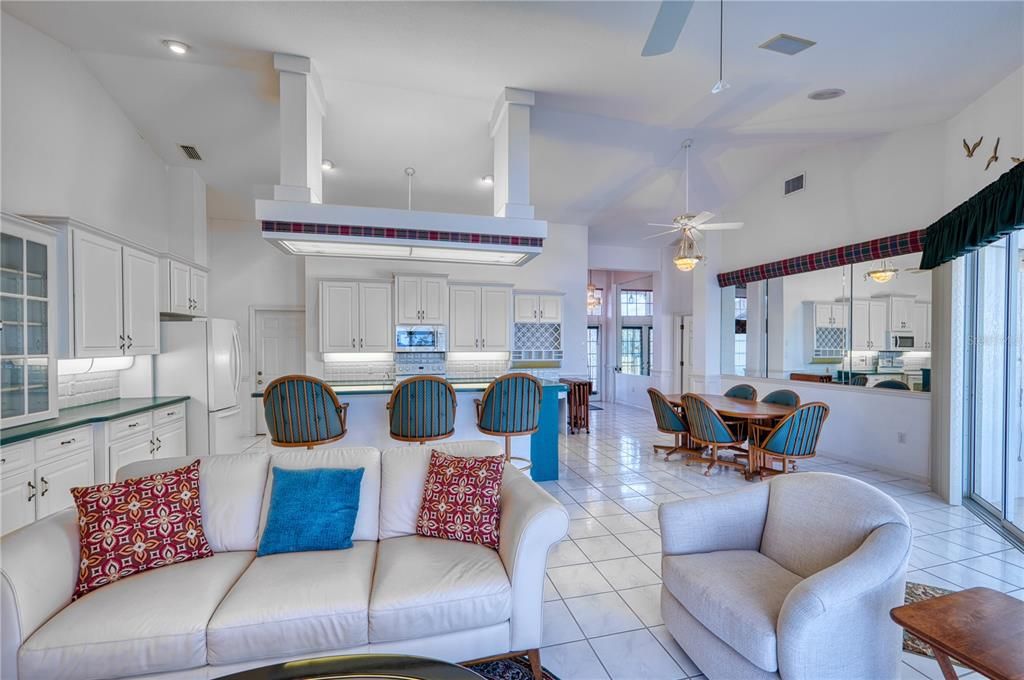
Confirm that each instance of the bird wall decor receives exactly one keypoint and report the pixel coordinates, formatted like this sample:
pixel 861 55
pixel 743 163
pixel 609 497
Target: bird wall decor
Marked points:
pixel 994 158
pixel 970 149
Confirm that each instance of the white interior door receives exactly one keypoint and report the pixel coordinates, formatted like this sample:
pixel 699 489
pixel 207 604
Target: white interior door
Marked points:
pixel 279 343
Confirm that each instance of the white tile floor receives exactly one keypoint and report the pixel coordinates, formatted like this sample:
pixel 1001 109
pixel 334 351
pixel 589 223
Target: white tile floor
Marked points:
pixel 602 614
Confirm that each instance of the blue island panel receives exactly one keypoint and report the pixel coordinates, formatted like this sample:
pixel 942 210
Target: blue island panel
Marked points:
pixel 544 442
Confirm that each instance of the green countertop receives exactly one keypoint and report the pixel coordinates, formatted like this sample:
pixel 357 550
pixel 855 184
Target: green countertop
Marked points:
pixel 75 416
pixel 356 389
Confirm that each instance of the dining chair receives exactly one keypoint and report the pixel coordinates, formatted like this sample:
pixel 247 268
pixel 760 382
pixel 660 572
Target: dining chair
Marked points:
pixel 780 398
pixel 859 381
pixel 708 429
pixel 742 391
pixel 301 410
pixel 510 407
pixel 422 409
pixel 892 385
pixel 671 419
pixel 794 438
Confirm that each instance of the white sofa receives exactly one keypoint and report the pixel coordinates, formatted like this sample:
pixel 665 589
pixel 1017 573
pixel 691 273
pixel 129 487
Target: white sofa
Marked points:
pixel 792 579
pixel 393 592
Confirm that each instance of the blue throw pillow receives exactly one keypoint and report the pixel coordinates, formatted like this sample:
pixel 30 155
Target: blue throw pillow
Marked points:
pixel 312 509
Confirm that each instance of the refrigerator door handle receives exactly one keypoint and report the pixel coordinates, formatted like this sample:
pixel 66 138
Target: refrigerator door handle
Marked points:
pixel 237 366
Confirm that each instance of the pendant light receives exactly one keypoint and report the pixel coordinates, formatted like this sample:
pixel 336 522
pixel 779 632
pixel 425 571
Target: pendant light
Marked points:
pixel 882 274
pixel 593 302
pixel 688 256
pixel 721 84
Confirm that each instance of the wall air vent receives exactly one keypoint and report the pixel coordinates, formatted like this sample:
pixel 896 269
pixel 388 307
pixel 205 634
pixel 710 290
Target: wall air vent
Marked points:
pixel 793 185
pixel 190 152
pixel 784 43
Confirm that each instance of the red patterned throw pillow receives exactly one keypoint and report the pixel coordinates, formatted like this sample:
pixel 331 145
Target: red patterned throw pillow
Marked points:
pixel 461 499
pixel 138 524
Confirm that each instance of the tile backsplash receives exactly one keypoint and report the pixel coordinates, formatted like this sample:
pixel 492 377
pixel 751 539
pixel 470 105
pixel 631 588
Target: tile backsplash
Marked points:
pixel 88 388
pixel 359 371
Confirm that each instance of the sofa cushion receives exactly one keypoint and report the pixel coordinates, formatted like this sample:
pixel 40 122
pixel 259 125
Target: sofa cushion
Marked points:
pixel 462 499
pixel 311 510
pixel 364 457
pixel 403 474
pixel 295 603
pixel 839 511
pixel 430 586
pixel 147 623
pixel 231 489
pixel 736 594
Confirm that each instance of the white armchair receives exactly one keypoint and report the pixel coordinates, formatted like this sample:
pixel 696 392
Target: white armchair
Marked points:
pixel 789 579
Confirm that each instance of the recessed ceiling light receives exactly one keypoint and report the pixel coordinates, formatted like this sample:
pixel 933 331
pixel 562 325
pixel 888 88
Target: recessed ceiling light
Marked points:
pixel 487 180
pixel 176 46
pixel 327 164
pixel 785 43
pixel 826 94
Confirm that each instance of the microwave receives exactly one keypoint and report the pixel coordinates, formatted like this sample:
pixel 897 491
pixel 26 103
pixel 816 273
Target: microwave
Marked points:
pixel 420 339
pixel 900 341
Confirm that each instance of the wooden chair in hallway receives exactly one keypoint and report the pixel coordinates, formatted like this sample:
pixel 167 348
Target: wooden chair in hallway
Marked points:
pixel 794 438
pixel 671 420
pixel 510 407
pixel 422 409
pixel 301 410
pixel 708 429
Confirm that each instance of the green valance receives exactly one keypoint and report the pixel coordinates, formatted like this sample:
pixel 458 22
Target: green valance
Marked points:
pixel 984 218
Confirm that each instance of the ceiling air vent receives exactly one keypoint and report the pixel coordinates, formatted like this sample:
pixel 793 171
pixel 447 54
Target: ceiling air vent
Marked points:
pixel 784 43
pixel 190 152
pixel 793 185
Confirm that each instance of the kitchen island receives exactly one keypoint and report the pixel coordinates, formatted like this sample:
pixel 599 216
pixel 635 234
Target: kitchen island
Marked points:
pixel 368 421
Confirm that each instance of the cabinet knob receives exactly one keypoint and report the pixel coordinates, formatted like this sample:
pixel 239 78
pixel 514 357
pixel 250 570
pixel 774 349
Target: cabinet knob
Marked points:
pixel 353 342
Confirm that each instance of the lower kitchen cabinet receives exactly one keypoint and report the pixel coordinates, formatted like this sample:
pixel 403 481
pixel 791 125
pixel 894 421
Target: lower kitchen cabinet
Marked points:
pixel 39 474
pixel 145 436
pixel 171 440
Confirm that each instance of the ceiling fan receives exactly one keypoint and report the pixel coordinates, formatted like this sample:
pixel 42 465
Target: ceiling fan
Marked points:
pixel 668 25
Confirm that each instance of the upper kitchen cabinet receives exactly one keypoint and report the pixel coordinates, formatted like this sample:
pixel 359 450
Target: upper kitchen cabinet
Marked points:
pixel 421 300
pixel 28 314
pixel 922 324
pixel 480 318
pixel 183 289
pixel 114 298
pixel 869 325
pixel 538 308
pixel 355 316
pixel 901 313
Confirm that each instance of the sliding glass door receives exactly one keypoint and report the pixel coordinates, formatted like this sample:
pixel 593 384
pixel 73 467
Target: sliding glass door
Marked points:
pixel 994 399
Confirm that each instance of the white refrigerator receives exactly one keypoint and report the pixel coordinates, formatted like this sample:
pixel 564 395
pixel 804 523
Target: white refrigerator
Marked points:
pixel 203 359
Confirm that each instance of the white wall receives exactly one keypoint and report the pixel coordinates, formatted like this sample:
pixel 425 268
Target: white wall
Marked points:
pixel 68 150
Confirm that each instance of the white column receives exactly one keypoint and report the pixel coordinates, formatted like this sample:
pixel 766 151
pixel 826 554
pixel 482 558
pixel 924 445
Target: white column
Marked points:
pixel 510 130
pixel 707 318
pixel 302 113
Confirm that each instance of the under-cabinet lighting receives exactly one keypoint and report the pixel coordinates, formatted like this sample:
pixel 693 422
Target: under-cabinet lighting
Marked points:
pixel 73 366
pixel 111 364
pixel 368 250
pixel 477 356
pixel 352 357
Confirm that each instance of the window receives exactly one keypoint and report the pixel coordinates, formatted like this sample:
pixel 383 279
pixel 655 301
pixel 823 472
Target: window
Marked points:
pixel 636 303
pixel 594 356
pixel 631 356
pixel 740 347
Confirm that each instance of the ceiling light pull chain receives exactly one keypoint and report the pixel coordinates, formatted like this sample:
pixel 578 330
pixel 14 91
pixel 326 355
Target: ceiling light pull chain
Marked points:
pixel 409 172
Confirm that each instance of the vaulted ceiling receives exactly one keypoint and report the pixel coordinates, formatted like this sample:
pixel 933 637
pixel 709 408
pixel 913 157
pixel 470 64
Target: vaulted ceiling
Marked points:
pixel 412 84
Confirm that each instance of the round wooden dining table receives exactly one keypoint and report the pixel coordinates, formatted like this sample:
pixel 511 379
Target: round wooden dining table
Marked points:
pixel 731 407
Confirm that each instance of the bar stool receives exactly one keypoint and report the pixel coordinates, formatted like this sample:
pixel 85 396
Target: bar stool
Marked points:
pixel 510 408
pixel 422 409
pixel 303 411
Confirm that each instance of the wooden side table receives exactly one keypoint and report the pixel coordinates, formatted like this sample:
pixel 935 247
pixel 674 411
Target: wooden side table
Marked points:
pixel 981 628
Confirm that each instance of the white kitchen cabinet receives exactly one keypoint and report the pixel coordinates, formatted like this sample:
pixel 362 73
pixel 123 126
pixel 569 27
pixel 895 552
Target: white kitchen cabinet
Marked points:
pixel 537 308
pixel 480 318
pixel 901 314
pixel 869 325
pixel 421 300
pixel 37 476
pixel 161 433
pixel 97 296
pixel 830 314
pixel 184 289
pixel 550 307
pixel 922 325
pixel 355 316
pixel 17 500
pixel 55 480
pixel 526 308
pixel 375 333
pixel 141 280
pixel 170 440
pixel 135 448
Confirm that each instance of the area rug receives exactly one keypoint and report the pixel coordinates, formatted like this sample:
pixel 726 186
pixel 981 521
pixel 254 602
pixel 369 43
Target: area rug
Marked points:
pixel 508 669
pixel 919 592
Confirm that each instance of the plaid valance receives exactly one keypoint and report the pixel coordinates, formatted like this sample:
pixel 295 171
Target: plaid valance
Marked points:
pixel 270 226
pixel 875 249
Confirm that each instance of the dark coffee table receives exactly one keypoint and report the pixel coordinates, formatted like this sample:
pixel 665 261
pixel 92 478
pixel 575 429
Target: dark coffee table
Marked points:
pixel 359 667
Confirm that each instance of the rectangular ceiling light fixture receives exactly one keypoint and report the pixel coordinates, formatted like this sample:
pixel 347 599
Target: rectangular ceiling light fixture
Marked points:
pixel 785 43
pixel 389 252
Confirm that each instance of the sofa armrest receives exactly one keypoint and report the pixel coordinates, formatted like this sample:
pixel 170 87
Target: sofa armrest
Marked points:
pixel 728 521
pixel 838 618
pixel 38 572
pixel 531 523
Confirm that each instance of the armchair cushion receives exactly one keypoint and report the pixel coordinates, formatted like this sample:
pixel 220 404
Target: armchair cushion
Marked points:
pixel 737 595
pixel 147 623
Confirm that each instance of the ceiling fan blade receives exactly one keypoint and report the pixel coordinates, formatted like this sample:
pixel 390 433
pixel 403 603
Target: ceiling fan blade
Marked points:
pixel 670 231
pixel 655 224
pixel 721 226
pixel 667 26
pixel 700 218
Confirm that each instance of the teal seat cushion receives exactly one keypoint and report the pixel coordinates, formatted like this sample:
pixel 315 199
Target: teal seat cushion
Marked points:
pixel 313 509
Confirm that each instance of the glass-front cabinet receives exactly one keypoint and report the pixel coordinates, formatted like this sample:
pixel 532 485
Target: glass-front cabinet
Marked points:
pixel 28 359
